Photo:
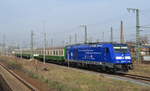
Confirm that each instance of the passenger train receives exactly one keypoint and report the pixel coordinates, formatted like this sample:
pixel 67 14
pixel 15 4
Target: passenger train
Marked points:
pixel 111 57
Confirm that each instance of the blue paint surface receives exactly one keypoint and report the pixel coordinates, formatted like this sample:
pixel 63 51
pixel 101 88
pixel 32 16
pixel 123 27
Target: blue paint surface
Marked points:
pixel 104 52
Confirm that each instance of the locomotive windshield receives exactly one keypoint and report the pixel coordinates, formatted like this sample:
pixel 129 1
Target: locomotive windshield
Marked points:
pixel 121 49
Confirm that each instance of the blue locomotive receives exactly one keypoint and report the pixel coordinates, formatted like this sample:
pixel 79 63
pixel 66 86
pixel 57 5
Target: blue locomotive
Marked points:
pixel 111 57
pixel 105 56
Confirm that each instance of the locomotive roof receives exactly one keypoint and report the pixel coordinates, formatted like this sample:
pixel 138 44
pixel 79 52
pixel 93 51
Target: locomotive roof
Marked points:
pixel 97 43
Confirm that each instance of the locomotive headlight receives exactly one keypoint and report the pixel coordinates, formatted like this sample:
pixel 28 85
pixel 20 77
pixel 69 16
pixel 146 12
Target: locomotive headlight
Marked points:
pixel 118 57
pixel 127 57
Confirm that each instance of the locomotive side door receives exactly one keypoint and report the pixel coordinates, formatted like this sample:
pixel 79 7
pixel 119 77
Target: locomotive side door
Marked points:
pixel 107 55
pixel 75 54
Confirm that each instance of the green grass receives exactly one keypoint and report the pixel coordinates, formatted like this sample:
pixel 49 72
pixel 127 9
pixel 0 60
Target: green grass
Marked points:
pixel 64 79
pixel 141 69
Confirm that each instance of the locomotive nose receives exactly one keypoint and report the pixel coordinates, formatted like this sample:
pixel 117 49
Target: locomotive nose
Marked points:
pixel 123 58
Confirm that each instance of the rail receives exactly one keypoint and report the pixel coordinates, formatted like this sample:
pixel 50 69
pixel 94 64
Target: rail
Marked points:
pixel 136 77
pixel 28 85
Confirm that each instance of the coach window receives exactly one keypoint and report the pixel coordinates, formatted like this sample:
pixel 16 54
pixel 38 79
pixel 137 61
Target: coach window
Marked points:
pixel 45 52
pixel 39 52
pixel 61 52
pixel 56 53
pixel 53 52
pixel 49 52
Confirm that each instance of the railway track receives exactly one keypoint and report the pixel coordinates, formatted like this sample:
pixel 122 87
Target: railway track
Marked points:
pixel 137 77
pixel 18 84
pixel 146 62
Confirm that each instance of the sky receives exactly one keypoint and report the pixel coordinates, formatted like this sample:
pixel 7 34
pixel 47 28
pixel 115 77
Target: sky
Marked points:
pixel 62 18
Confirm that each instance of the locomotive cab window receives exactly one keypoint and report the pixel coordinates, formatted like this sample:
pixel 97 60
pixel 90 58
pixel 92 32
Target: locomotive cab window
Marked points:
pixel 121 49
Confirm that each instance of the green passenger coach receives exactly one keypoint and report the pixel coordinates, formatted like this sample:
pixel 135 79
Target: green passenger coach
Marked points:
pixel 51 54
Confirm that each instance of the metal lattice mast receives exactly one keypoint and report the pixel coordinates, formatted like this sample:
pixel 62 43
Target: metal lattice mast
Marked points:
pixel 4 45
pixel 20 49
pixel 32 44
pixel 45 42
pixel 85 33
pixel 121 33
pixel 138 35
pixel 44 48
pixel 138 56
pixel 111 36
pixel 70 40
pixel 52 42
pixel 75 39
pixel 103 36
